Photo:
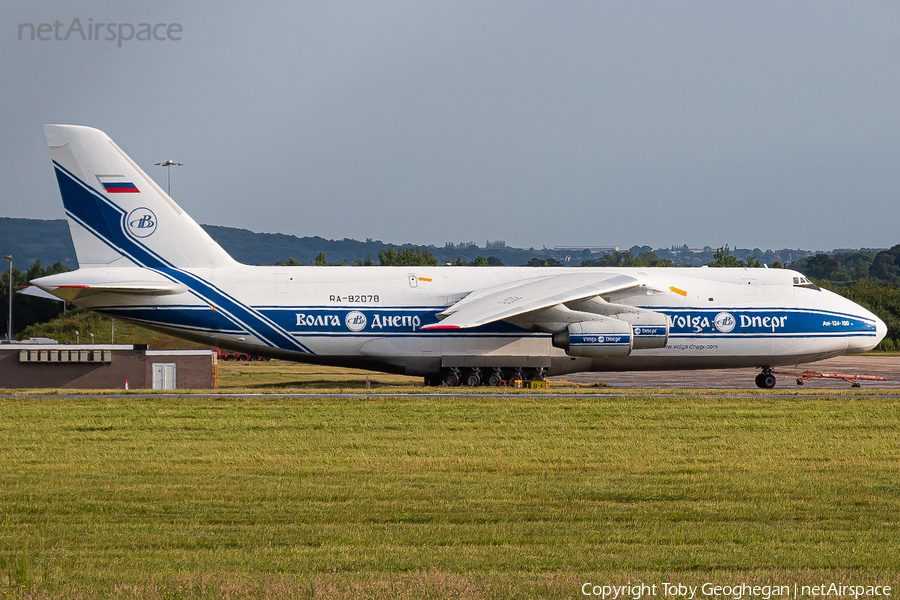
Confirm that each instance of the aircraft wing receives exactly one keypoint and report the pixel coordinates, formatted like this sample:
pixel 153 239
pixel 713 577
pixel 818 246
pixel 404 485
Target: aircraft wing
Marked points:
pixel 508 300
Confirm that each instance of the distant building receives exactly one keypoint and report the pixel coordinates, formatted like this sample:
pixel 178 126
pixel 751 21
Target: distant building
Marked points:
pixel 593 249
pixel 105 366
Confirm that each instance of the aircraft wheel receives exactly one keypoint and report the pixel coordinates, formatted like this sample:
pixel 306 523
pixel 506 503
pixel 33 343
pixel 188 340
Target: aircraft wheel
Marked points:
pixel 515 374
pixel 451 379
pixel 765 381
pixel 472 379
pixel 537 375
pixel 493 379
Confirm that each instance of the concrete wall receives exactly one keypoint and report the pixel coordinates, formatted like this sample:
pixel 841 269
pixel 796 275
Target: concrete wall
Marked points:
pixel 100 366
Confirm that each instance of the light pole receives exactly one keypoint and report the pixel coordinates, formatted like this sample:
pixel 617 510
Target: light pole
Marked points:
pixel 168 164
pixel 9 325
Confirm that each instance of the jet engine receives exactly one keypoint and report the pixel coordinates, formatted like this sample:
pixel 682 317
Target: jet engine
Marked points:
pixel 595 338
pixel 650 329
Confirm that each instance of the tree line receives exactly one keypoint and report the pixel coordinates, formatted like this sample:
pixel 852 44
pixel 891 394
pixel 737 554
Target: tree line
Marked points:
pixel 871 279
pixel 28 310
pixel 412 256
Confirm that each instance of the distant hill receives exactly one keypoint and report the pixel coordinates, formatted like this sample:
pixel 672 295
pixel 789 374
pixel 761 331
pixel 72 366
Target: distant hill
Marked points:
pixel 28 240
pixel 31 239
pixel 268 248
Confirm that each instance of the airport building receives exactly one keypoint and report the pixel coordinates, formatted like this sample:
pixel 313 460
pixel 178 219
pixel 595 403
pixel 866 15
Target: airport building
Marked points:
pixel 105 366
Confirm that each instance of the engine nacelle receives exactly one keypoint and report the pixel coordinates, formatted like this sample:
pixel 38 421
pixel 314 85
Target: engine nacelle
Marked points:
pixel 595 338
pixel 650 329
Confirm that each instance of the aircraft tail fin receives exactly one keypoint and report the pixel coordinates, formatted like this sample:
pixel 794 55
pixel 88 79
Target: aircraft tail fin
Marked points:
pixel 118 216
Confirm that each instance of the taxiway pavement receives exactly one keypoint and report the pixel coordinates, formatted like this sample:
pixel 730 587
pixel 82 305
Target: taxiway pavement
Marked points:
pixel 885 366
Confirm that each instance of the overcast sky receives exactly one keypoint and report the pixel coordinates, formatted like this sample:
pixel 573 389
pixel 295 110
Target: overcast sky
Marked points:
pixel 759 124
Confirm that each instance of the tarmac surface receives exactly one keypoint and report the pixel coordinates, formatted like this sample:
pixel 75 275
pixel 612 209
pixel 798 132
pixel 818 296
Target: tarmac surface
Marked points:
pixel 884 366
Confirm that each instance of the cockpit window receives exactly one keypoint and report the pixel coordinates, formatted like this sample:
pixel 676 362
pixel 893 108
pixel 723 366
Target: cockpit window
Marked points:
pixel 805 283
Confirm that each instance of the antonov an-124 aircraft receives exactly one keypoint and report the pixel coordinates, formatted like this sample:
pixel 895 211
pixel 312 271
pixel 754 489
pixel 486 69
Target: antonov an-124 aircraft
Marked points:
pixel 143 259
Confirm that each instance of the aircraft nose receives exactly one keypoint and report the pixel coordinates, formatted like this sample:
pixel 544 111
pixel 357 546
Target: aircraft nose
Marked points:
pixel 867 343
pixel 880 330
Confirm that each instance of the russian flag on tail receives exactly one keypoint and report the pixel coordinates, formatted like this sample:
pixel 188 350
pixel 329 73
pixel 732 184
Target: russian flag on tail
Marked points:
pixel 120 187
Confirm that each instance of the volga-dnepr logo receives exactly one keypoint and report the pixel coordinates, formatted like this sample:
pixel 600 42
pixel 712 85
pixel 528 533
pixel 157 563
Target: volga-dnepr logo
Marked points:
pixel 141 222
pixel 355 321
pixel 725 322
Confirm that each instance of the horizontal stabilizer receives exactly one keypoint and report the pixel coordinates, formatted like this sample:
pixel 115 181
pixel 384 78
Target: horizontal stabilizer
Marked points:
pixel 33 290
pixel 73 292
pixel 87 282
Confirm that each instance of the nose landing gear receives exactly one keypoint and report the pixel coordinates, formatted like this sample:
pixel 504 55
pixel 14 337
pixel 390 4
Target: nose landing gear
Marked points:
pixel 765 380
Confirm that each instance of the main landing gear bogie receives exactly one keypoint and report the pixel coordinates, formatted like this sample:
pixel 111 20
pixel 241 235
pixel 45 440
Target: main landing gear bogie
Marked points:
pixel 765 380
pixel 474 377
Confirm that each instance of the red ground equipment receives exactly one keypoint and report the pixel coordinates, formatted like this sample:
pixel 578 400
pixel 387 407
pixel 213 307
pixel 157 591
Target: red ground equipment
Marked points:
pixel 853 380
pixel 240 356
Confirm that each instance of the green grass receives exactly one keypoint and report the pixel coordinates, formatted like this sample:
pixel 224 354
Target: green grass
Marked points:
pixel 441 498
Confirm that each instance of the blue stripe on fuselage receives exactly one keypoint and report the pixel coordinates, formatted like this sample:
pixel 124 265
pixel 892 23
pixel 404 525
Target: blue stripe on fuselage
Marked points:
pixel 790 322
pixel 316 320
pixel 756 322
pixel 196 317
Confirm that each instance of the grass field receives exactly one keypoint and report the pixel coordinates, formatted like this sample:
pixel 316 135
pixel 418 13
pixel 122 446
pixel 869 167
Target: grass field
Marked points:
pixel 442 498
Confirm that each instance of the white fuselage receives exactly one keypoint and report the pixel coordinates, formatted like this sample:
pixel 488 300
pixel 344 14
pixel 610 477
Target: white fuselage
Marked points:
pixel 372 317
